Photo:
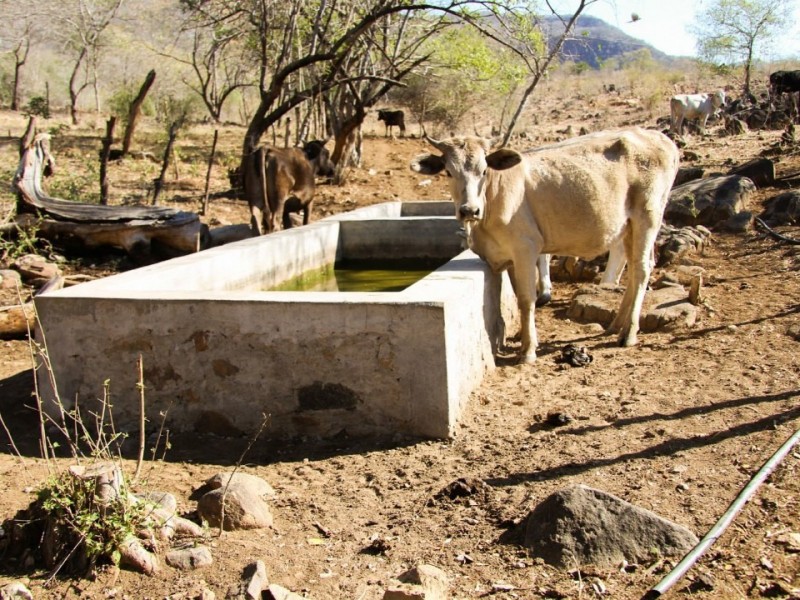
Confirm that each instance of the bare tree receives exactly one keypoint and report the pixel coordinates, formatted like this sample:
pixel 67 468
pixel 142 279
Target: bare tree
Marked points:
pixel 740 30
pixel 219 58
pixel 82 25
pixel 22 30
pixel 530 42
pixel 20 51
pixel 304 50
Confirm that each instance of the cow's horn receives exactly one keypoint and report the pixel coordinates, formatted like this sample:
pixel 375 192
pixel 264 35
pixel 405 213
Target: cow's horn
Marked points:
pixel 439 145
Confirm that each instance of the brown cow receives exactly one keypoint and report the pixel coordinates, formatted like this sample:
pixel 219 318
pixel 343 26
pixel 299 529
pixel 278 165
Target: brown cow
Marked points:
pixel 281 174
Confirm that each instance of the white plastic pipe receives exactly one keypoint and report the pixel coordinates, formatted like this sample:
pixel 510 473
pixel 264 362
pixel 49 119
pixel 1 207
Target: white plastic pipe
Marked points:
pixel 715 532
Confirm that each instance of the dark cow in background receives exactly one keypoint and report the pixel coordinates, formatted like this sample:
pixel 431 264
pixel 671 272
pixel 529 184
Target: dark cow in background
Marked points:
pixel 393 118
pixel 781 82
pixel 279 175
pixel 786 82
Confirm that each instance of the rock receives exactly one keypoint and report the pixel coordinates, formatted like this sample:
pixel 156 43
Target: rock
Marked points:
pixel 226 234
pixel 15 591
pixel 135 556
pixel 188 559
pixel 243 509
pixel 277 592
pixel 581 525
pixel 790 541
pixel 10 279
pixel 674 243
pixel 708 201
pixel 783 209
pixel 738 223
pixel 255 484
pixel 686 174
pixel 664 309
pixel 163 500
pixel 36 270
pixel 254 582
pixel 423 582
pixel 761 171
pixel 668 309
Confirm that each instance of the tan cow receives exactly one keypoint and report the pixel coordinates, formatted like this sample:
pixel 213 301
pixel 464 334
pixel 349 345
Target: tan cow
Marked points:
pixel 579 198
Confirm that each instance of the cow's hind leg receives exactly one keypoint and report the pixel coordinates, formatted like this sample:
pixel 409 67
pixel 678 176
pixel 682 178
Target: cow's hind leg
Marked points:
pixel 638 250
pixel 615 264
pixel 544 288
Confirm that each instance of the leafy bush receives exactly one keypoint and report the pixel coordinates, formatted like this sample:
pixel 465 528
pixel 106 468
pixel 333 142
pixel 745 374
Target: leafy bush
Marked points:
pixel 26 241
pixel 38 106
pixel 78 520
pixel 120 104
pixel 77 187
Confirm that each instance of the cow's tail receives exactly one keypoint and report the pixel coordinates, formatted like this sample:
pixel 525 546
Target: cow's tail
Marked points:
pixel 261 161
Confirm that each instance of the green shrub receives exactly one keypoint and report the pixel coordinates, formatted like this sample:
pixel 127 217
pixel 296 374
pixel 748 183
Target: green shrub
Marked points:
pixel 38 106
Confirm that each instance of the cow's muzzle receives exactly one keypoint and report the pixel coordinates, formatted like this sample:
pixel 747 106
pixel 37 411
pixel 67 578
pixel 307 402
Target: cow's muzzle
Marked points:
pixel 469 212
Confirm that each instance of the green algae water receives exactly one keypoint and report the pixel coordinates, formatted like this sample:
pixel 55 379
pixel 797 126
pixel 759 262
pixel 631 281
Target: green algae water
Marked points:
pixel 362 276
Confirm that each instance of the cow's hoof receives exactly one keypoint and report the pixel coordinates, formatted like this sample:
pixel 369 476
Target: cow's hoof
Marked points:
pixel 543 299
pixel 527 358
pixel 626 340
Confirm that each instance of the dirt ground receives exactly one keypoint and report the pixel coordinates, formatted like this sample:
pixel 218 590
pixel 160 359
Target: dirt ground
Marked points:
pixel 677 425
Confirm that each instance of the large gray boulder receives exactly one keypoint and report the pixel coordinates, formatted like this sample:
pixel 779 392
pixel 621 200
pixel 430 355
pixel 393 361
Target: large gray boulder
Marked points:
pixel 710 201
pixel 580 525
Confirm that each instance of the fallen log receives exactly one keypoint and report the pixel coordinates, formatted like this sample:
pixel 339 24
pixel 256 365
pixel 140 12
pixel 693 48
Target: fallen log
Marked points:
pixel 16 321
pixel 140 231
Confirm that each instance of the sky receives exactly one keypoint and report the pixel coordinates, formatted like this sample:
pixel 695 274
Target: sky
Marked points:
pixel 663 23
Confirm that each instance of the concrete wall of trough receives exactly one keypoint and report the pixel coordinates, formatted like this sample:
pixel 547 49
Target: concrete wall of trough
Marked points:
pixel 217 355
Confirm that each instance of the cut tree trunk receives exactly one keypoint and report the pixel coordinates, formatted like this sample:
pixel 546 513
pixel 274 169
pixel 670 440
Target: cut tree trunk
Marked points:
pixel 135 108
pixel 139 230
pixel 104 156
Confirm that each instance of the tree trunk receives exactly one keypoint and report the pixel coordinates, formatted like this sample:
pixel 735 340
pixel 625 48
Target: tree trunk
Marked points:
pixel 159 183
pixel 106 151
pixel 133 111
pixel 208 172
pixel 74 90
pixel 15 91
pixel 20 57
pixel 345 141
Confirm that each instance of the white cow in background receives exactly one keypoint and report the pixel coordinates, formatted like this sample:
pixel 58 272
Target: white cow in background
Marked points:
pixel 694 106
pixel 580 198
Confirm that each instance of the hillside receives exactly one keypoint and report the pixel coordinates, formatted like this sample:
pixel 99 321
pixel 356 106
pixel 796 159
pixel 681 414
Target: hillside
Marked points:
pixel 596 41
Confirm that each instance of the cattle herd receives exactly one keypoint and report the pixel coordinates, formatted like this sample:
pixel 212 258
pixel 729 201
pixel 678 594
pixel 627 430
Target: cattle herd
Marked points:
pixel 582 197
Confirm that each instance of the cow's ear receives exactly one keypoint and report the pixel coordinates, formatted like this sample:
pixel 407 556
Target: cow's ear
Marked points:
pixel 504 158
pixel 428 164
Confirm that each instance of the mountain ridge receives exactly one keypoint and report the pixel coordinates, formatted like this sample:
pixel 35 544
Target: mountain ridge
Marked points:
pixel 595 41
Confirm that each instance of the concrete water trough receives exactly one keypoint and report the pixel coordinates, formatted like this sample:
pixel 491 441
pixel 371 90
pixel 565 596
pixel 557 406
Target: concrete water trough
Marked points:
pixel 219 351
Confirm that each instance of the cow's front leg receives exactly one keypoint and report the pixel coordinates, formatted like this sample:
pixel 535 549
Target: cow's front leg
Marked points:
pixel 524 283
